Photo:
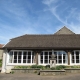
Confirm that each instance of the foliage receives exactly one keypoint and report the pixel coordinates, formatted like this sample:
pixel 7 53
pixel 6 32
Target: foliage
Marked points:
pixel 0 62
pixel 12 72
pixel 53 68
pixel 58 67
pixel 21 67
pixel 61 67
pixel 75 66
pixel 34 66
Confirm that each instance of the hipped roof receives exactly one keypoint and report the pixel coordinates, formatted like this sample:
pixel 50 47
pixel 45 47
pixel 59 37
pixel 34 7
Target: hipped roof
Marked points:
pixel 54 41
pixel 45 41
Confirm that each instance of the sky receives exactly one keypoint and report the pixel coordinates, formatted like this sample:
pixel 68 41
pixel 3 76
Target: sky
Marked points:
pixel 19 17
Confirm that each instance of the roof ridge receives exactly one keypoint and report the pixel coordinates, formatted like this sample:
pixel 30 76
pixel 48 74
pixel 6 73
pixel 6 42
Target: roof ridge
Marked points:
pixel 32 35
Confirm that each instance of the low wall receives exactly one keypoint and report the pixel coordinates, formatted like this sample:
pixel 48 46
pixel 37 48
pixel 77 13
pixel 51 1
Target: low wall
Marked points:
pixel 52 72
pixel 72 70
pixel 25 70
pixel 48 72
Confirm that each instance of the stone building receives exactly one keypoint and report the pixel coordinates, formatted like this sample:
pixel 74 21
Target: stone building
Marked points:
pixel 37 49
pixel 1 51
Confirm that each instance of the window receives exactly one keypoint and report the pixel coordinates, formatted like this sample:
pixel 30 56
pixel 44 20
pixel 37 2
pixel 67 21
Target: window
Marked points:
pixel 61 57
pixel 45 57
pixel 24 57
pixel 11 57
pixel 28 57
pixel 17 56
pixel 41 57
pixel 75 55
pixel 73 59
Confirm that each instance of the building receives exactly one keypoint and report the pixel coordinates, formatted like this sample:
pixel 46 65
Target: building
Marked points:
pixel 1 50
pixel 37 49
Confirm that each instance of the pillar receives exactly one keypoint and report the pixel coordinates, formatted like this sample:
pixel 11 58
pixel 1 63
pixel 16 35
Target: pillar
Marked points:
pixel 4 62
pixel 37 53
pixel 69 52
pixel 36 57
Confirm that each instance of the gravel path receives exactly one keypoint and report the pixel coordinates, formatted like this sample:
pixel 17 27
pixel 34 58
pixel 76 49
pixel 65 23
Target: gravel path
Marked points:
pixel 38 77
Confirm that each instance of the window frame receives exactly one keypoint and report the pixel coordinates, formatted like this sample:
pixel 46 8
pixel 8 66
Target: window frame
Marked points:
pixel 8 62
pixel 75 58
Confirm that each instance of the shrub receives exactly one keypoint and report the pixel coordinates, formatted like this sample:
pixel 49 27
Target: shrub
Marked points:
pixel 75 66
pixel 53 68
pixel 0 62
pixel 34 66
pixel 58 67
pixel 39 66
pixel 12 72
pixel 20 67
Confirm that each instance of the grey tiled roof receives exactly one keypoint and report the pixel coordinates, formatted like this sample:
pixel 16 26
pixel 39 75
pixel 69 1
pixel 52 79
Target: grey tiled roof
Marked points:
pixel 45 41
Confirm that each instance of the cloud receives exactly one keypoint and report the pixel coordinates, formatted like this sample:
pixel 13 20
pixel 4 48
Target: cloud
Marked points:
pixel 69 17
pixel 49 2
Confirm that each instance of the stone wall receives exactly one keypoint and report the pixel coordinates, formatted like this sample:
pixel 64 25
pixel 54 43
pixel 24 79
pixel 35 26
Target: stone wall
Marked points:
pixel 72 70
pixel 52 72
pixel 48 72
pixel 25 70
pixel 1 54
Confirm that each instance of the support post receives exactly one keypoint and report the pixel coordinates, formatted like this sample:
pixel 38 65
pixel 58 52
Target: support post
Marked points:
pixel 4 62
pixel 69 52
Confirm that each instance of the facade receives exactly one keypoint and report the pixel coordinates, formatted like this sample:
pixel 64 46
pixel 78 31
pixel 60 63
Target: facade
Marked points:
pixel 37 49
pixel 1 51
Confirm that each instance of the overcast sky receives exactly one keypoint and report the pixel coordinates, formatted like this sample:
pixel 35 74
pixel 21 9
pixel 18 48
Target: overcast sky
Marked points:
pixel 19 17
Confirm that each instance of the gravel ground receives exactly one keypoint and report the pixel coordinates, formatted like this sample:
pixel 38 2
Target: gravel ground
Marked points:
pixel 29 76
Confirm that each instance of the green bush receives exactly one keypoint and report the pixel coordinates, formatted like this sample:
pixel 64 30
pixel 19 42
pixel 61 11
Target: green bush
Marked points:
pixel 58 67
pixel 41 67
pixel 21 67
pixel 75 66
pixel 12 72
pixel 37 66
pixel 34 66
pixel 53 68
pixel 0 62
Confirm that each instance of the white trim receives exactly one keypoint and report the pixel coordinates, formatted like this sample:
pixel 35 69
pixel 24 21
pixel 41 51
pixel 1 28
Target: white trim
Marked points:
pixel 48 57
pixel 31 57
pixel 75 58
pixel 70 59
pixel 20 50
pixel 38 58
pixel 22 58
pixel 79 56
pixel 13 57
pixel 15 64
pixel 62 57
pixel 43 57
